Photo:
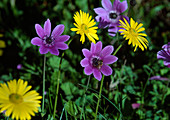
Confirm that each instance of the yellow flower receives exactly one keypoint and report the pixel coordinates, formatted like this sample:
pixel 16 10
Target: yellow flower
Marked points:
pixel 2 45
pixel 17 100
pixel 133 33
pixel 85 26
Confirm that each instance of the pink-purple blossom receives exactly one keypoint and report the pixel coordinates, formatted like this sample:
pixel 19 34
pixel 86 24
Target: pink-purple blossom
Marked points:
pixel 97 59
pixel 50 43
pixel 165 54
pixel 136 105
pixel 111 14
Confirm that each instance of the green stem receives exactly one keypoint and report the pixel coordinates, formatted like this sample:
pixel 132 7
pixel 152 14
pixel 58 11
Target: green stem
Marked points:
pixel 58 82
pixel 84 100
pixel 43 84
pixel 101 85
pixel 118 48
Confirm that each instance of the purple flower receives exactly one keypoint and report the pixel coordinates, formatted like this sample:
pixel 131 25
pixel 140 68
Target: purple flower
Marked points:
pixel 165 54
pixel 96 60
pixel 135 105
pixel 49 43
pixel 19 66
pixel 111 14
pixel 158 78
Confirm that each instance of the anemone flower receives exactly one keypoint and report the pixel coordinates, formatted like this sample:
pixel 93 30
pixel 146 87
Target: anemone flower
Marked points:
pixel 85 26
pixel 50 43
pixel 97 59
pixel 111 14
pixel 165 54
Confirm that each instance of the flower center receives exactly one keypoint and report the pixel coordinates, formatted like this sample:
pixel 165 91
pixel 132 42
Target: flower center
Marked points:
pixel 15 98
pixel 113 15
pixel 97 63
pixel 48 41
pixel 133 32
pixel 84 28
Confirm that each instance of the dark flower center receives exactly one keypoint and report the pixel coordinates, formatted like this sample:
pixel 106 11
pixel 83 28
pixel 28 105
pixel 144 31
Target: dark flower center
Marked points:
pixel 113 15
pixel 48 41
pixel 97 63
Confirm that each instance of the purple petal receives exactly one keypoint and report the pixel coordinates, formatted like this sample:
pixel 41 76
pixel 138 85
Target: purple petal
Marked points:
pixel 86 53
pixel 106 70
pixel 61 45
pixel 88 70
pixel 135 105
pixel 84 62
pixel 109 59
pixel 112 30
pixel 97 74
pixel 36 41
pixel 63 38
pixel 39 30
pixel 43 50
pixel 122 6
pixel 47 27
pixel 106 51
pixel 98 47
pixel 93 47
pixel 100 11
pixel 54 51
pixel 58 30
pixel 158 78
pixel 107 4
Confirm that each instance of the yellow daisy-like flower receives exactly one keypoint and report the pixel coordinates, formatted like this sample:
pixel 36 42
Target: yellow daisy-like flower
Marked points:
pixel 133 33
pixel 17 100
pixel 85 26
pixel 2 45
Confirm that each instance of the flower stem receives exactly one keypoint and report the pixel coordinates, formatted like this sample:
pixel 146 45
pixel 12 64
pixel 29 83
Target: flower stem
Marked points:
pixel 101 85
pixel 84 99
pixel 43 85
pixel 118 48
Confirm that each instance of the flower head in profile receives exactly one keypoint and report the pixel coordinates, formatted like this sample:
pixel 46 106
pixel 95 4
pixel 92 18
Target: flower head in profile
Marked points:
pixel 165 54
pixel 111 14
pixel 16 99
pixel 50 42
pixel 97 59
pixel 85 26
pixel 2 45
pixel 132 32
pixel 136 105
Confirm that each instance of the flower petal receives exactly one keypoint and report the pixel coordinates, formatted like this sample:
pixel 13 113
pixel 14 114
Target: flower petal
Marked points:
pixel 107 51
pixel 107 4
pixel 58 30
pixel 88 70
pixel 122 6
pixel 39 30
pixel 63 38
pixel 112 30
pixel 109 59
pixel 47 27
pixel 97 74
pixel 43 50
pixel 98 47
pixel 93 47
pixel 86 53
pixel 84 62
pixel 61 45
pixel 36 41
pixel 100 11
pixel 106 70
pixel 54 51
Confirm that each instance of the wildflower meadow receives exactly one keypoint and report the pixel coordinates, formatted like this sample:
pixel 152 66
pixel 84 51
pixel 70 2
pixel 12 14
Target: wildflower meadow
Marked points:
pixel 84 60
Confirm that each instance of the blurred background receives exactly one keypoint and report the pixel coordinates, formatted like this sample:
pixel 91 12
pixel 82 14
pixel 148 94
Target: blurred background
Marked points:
pixel 131 73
